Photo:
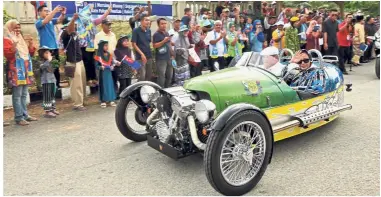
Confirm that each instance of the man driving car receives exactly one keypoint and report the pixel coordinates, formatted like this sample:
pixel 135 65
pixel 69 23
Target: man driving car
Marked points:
pixel 270 57
pixel 302 76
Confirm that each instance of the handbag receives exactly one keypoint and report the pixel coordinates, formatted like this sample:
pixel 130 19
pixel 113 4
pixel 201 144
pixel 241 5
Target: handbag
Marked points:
pixel 192 62
pixel 69 69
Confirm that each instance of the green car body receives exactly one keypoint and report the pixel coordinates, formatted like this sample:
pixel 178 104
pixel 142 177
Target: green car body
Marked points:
pixel 243 85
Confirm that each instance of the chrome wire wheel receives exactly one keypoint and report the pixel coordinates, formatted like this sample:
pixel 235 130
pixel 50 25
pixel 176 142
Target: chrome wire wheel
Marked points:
pixel 242 153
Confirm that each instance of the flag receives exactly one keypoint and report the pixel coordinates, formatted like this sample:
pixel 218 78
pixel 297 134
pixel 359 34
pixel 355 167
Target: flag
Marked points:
pixel 85 27
pixel 130 62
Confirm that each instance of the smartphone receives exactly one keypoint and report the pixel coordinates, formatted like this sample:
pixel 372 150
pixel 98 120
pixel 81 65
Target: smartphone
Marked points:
pixel 316 28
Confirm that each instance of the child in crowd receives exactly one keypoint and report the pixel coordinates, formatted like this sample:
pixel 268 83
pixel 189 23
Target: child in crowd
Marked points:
pixel 124 71
pixel 48 81
pixel 105 64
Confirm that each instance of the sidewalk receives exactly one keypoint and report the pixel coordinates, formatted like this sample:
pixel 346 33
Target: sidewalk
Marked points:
pixel 35 109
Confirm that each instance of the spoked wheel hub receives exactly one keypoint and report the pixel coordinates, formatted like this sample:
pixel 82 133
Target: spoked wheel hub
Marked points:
pixel 243 153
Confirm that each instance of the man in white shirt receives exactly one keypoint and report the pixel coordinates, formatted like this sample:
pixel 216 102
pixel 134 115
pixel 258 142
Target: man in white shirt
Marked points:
pixel 270 57
pixel 106 35
pixel 174 33
pixel 218 51
pixel 109 36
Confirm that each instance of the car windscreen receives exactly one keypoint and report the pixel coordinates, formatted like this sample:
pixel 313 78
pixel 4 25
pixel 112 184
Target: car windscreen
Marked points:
pixel 255 60
pixel 240 61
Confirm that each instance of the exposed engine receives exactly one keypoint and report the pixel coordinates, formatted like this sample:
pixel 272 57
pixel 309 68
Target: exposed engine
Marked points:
pixel 171 126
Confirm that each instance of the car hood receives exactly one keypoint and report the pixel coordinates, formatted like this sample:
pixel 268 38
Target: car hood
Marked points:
pixel 230 86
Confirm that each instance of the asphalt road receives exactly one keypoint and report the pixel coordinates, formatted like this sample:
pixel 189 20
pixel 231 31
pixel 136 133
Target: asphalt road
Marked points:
pixel 84 154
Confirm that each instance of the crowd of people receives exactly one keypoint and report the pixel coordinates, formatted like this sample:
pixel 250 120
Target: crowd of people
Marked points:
pixel 216 36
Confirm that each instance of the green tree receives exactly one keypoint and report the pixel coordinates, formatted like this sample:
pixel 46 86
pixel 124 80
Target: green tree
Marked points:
pixel 7 17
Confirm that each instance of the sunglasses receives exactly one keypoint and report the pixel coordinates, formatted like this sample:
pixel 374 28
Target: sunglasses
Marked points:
pixel 304 61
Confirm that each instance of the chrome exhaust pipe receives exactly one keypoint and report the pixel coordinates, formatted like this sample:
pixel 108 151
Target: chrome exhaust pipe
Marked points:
pixel 305 120
pixel 150 118
pixel 193 132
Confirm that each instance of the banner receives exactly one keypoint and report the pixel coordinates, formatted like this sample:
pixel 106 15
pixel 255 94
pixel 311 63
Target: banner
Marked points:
pixel 118 8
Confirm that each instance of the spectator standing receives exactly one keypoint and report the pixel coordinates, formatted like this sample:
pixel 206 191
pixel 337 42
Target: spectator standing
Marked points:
pixel 48 82
pixel 197 40
pixel 269 28
pixel 313 34
pixel 370 30
pixel 330 29
pixel 218 10
pixel 124 71
pixel 71 43
pixel 88 48
pixel 139 12
pixel 247 31
pixel 226 19
pixel 18 53
pixel 216 40
pixel 182 55
pixel 174 33
pixel 302 30
pixel 235 47
pixel 278 36
pixel 105 64
pixel 292 39
pixel 319 22
pixel 163 54
pixel 358 40
pixel 141 40
pixel 257 37
pixel 45 27
pixel 344 38
pixel 187 17
pixel 107 35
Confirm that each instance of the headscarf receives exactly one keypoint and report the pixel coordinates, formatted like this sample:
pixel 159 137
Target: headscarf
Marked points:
pixel 254 25
pixel 183 44
pixel 230 24
pixel 100 57
pixel 120 50
pixel 22 47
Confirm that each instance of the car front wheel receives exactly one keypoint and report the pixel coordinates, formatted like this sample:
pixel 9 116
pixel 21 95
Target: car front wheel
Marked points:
pixel 131 119
pixel 236 158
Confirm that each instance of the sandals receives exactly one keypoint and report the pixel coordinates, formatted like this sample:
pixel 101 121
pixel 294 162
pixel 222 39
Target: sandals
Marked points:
pixel 55 112
pixel 49 115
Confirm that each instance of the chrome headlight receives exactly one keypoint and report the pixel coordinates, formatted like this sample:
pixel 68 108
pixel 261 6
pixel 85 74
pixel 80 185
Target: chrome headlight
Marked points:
pixel 203 109
pixel 146 93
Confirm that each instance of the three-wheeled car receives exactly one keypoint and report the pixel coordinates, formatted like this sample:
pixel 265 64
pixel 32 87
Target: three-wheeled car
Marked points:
pixel 231 116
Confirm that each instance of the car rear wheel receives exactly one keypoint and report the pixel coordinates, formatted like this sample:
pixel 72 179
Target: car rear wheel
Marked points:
pixel 236 158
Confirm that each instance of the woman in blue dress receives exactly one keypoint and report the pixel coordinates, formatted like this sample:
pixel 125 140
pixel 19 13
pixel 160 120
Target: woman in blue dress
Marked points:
pixel 105 64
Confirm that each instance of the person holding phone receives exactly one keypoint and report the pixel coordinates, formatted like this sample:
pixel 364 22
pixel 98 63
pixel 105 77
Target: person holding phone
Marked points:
pixel 164 54
pixel 344 38
pixel 257 37
pixel 45 27
pixel 313 34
